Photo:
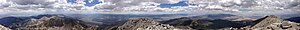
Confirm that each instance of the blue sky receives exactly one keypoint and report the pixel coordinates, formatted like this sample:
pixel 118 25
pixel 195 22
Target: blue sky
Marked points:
pixel 182 3
pixel 93 3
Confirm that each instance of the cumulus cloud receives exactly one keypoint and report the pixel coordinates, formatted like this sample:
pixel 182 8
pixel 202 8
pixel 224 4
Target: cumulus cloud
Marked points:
pixel 26 2
pixel 150 6
pixel 4 5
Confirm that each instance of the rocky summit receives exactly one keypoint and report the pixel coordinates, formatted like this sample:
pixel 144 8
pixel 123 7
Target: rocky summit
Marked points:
pixel 200 24
pixel 55 23
pixel 147 24
pixel 274 23
pixel 271 22
pixel 52 23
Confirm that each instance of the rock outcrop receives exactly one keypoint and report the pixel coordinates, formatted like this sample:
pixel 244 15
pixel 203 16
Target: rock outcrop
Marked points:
pixel 147 24
pixel 274 23
pixel 4 28
pixel 57 23
pixel 271 22
pixel 267 23
pixel 205 24
pixel 263 22
pixel 52 23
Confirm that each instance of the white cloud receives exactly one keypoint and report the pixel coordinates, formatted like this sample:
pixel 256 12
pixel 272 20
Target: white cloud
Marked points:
pixel 3 1
pixel 148 7
pixel 26 2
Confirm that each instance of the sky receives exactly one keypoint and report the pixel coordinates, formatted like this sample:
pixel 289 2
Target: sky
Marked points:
pixel 238 7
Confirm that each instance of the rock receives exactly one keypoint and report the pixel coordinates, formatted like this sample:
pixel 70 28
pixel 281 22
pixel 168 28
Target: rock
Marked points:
pixel 55 23
pixel 46 23
pixel 13 22
pixel 199 24
pixel 146 24
pixel 4 28
pixel 271 22
pixel 275 23
pixel 266 21
pixel 285 25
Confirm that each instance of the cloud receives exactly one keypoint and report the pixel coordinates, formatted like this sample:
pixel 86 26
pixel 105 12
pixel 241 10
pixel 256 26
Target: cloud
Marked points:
pixel 27 2
pixel 261 7
pixel 4 5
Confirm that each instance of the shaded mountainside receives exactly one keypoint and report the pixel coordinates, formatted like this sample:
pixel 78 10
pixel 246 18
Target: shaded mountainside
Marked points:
pixel 223 17
pixel 267 23
pixel 56 23
pixel 14 22
pixel 211 21
pixel 115 19
pixel 294 19
pixel 205 24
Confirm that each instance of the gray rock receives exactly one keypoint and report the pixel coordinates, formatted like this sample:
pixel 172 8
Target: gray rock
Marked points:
pixel 146 24
pixel 4 28
pixel 266 21
pixel 55 23
pixel 270 23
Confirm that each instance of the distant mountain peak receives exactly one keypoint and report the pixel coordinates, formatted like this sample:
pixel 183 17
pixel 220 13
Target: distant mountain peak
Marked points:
pixel 139 19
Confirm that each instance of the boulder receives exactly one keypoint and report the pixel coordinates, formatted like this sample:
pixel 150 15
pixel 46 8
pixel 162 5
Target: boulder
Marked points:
pixel 4 28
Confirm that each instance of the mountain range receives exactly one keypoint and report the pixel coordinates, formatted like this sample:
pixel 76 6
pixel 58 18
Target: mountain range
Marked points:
pixel 203 22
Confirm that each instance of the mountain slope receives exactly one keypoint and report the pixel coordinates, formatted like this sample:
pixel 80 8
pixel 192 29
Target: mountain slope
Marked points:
pixel 46 22
pixel 275 23
pixel 294 19
pixel 266 21
pixel 271 22
pixel 147 24
pixel 200 24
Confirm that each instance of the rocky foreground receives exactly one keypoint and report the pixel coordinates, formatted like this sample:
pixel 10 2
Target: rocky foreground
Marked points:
pixel 270 23
pixel 4 28
pixel 51 23
pixel 185 23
